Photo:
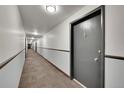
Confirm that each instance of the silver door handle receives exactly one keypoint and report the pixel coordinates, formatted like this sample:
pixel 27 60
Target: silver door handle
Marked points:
pixel 96 59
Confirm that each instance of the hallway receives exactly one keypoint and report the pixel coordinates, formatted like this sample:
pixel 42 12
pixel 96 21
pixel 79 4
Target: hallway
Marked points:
pixel 84 42
pixel 38 73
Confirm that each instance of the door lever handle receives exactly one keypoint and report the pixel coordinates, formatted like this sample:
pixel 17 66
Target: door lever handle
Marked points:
pixel 99 51
pixel 96 59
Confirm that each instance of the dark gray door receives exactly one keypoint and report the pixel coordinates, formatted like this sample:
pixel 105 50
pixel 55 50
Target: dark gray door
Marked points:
pixel 88 48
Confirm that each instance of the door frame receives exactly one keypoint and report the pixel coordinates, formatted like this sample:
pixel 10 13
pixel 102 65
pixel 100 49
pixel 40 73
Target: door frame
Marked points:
pixel 85 17
pixel 25 46
pixel 35 46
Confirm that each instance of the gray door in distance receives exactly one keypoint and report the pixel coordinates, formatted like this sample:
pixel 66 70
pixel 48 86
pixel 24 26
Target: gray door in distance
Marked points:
pixel 88 49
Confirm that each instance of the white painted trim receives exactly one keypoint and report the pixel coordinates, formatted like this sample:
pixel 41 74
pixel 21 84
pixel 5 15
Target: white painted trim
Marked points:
pixel 79 83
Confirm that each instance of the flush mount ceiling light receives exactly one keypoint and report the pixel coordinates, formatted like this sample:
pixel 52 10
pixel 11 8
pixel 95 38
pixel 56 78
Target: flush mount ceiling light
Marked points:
pixel 32 38
pixel 35 33
pixel 51 8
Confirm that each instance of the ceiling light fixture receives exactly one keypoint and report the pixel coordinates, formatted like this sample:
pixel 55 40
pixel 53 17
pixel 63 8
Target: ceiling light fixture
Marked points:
pixel 51 8
pixel 35 33
pixel 32 38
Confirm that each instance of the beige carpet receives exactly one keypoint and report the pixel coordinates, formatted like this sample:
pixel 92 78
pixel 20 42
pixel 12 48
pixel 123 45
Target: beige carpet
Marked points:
pixel 38 73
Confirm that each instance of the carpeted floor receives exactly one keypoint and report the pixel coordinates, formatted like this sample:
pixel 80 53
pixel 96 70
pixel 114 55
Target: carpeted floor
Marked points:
pixel 38 73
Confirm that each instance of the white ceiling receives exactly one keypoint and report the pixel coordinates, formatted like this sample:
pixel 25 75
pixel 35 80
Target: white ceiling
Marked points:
pixel 36 18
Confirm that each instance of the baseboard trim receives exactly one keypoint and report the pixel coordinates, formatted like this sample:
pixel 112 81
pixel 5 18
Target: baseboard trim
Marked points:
pixel 79 83
pixel 54 65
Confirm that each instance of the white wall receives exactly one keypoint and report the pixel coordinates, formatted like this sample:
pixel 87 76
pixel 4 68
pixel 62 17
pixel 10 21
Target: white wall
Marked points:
pixel 114 68
pixel 33 46
pixel 12 41
pixel 11 73
pixel 115 30
pixel 59 38
pixel 58 58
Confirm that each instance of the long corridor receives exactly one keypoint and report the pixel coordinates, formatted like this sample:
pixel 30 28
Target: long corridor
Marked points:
pixel 38 73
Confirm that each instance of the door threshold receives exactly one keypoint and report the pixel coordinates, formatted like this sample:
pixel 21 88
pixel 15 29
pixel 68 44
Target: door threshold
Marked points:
pixel 79 83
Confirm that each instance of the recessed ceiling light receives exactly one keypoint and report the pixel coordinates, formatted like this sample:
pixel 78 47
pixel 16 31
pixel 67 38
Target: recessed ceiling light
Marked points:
pixel 51 8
